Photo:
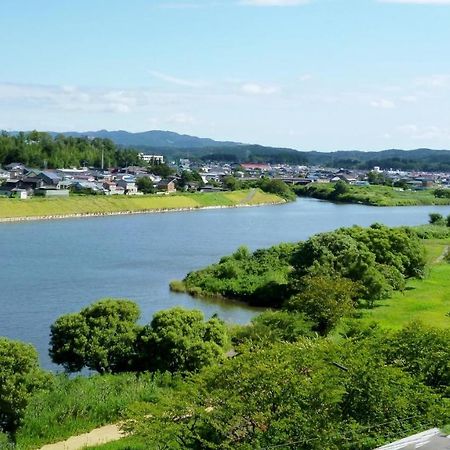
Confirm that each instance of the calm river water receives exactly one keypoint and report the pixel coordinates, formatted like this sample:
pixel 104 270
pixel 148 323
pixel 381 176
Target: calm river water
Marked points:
pixel 56 267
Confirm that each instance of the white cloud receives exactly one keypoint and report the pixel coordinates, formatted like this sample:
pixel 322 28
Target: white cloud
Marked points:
pixel 274 2
pixel 69 98
pixel 259 89
pixel 424 132
pixel 434 81
pixel 175 80
pixel 382 103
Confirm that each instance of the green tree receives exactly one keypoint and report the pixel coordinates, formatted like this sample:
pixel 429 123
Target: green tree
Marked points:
pixel 145 185
pixel 325 300
pixel 100 337
pixel 162 170
pixel 20 376
pixel 340 188
pixel 274 326
pixel 232 183
pixel 437 219
pixel 179 340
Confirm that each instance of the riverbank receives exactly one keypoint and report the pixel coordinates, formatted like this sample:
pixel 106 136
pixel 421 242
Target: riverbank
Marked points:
pixel 372 195
pixel 13 210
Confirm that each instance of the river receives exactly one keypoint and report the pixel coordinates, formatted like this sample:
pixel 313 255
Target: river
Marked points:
pixel 52 268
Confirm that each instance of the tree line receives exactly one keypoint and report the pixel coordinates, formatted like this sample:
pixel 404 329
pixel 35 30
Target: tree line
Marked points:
pixel 324 277
pixel 41 150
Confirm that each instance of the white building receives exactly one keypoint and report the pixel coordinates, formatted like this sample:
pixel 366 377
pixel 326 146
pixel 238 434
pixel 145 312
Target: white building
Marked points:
pixel 152 159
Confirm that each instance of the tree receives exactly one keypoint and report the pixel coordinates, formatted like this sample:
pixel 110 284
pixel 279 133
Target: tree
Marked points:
pixel 100 337
pixel 311 395
pixel 340 188
pixel 232 183
pixel 20 376
pixel 325 300
pixel 437 219
pixel 145 185
pixel 179 340
pixel 162 170
pixel 274 326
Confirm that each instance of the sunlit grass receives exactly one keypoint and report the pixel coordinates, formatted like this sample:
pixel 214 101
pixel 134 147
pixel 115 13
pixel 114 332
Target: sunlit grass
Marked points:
pixel 41 207
pixel 427 300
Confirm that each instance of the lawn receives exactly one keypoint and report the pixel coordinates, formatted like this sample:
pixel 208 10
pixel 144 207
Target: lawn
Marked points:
pixel 39 207
pixel 427 300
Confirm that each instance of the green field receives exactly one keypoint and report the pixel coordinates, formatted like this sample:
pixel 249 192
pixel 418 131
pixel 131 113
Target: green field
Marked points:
pixel 39 207
pixel 427 300
pixel 373 195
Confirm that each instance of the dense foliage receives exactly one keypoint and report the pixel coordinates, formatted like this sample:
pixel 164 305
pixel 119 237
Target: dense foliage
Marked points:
pixel 177 340
pixel 259 278
pixel 41 150
pixel 309 394
pixel 324 277
pixel 371 195
pixel 20 376
pixel 106 337
pixel 100 337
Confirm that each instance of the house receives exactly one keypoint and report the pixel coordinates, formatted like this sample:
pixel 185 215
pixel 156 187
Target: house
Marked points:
pixel 4 175
pixel 167 185
pixel 15 166
pixel 50 178
pixel 112 188
pixel 128 185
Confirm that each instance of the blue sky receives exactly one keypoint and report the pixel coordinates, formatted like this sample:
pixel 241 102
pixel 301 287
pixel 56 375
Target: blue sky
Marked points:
pixel 314 75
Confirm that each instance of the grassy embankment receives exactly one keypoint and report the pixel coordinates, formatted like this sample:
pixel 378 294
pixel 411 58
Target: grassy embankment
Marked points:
pixel 69 407
pixel 427 300
pixel 80 205
pixel 372 195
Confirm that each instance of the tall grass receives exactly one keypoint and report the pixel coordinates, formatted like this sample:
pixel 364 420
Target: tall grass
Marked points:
pixel 71 406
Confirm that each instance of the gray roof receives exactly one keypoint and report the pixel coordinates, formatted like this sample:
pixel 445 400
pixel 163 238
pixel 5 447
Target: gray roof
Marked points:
pixel 432 439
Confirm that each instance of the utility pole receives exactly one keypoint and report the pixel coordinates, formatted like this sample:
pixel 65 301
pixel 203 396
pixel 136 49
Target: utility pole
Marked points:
pixel 103 158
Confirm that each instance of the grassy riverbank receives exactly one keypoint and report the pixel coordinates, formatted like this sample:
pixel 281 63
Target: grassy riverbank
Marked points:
pixel 426 300
pixel 372 195
pixel 91 205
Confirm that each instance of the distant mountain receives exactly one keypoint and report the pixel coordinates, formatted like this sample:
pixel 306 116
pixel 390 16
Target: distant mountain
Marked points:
pixel 173 145
pixel 155 138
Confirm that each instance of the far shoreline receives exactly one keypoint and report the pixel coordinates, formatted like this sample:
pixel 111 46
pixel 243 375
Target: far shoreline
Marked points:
pixel 127 213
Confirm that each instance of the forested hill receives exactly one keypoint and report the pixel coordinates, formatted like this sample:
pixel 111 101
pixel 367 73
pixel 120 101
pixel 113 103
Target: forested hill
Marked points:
pixel 174 146
pixel 154 138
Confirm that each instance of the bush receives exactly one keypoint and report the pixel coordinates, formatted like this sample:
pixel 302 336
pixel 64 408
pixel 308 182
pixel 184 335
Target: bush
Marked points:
pixel 20 376
pixel 437 219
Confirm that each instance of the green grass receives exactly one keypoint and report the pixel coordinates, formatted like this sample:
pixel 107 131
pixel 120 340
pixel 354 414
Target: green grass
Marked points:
pixel 42 207
pixel 69 407
pixel 427 300
pixel 374 195
pixel 127 443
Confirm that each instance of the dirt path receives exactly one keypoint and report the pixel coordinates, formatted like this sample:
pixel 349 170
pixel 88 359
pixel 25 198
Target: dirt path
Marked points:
pixel 108 433
pixel 444 254
pixel 248 198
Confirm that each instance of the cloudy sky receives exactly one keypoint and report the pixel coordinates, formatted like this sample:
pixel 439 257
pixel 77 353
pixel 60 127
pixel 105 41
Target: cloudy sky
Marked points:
pixel 308 74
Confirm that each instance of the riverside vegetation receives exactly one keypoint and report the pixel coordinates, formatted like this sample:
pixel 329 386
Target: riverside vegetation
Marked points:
pixel 374 195
pixel 316 372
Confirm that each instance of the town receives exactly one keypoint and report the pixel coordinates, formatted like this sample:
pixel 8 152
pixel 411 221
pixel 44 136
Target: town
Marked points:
pixel 156 176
